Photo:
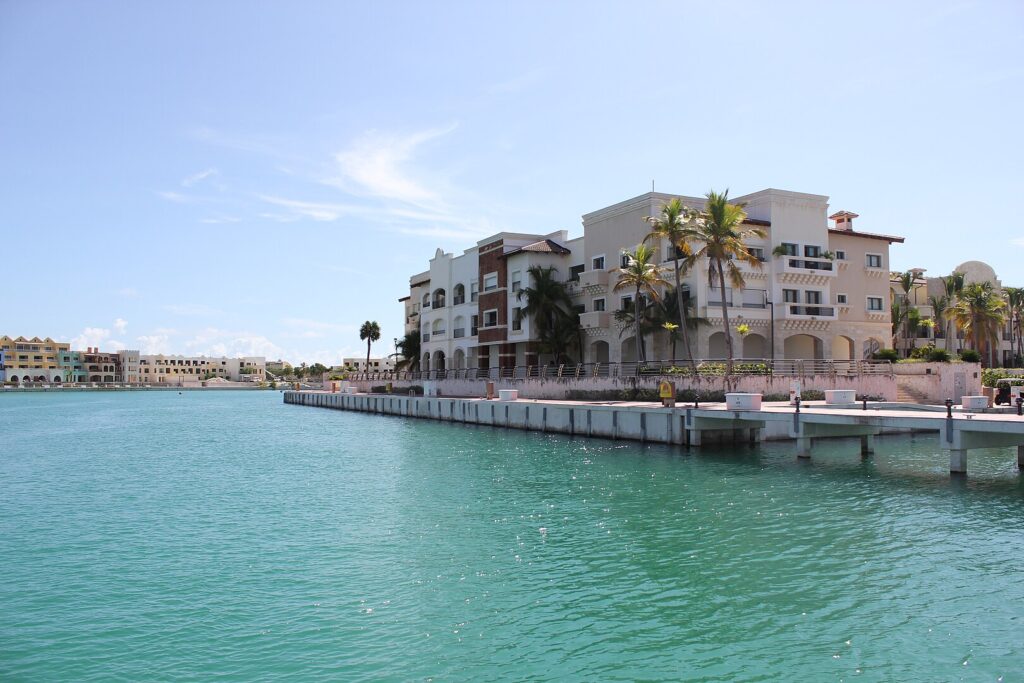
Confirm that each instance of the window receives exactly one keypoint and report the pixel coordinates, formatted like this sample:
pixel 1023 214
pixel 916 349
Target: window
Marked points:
pixel 756 252
pixel 812 297
pixel 598 304
pixel 874 261
pixel 490 282
pixel 474 290
pixel 874 303
pixel 624 259
pixel 491 318
pixel 517 280
pixel 517 322
pixel 579 309
pixel 791 296
pixel 841 299
pixel 598 263
pixel 426 301
pixel 473 325
pixel 627 303
pixel 812 252
pixel 840 255
pixel 790 248
pixel 574 272
pixel 459 294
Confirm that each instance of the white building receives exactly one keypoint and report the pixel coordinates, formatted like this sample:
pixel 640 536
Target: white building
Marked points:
pixel 375 365
pixel 824 296
pixel 161 369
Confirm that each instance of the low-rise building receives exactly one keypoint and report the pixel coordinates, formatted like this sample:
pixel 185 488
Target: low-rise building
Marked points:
pixel 360 364
pixel 821 291
pixel 32 360
pixel 163 369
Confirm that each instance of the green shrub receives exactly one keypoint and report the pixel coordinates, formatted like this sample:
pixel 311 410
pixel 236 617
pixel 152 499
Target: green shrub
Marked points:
pixel 887 354
pixel 938 356
pixel 812 395
pixel 991 376
pixel 970 356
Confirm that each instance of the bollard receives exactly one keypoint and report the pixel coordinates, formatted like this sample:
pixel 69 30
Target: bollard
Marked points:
pixel 949 408
pixel 797 399
pixel 696 400
pixel 1020 405
pixel 865 402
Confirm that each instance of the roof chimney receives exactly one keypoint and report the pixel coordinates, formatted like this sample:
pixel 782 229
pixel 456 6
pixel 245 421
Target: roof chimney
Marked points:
pixel 844 220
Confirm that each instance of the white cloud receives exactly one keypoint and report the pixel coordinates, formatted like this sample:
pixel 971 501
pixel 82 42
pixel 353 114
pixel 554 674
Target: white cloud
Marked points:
pixel 376 165
pixel 318 211
pixel 215 342
pixel 120 325
pixel 199 177
pixel 200 310
pixel 220 219
pixel 153 344
pixel 176 197
pixel 96 337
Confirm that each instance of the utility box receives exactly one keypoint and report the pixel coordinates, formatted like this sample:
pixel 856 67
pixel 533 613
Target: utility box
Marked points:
pixel 667 393
pixel 974 402
pixel 743 401
pixel 835 397
pixel 508 395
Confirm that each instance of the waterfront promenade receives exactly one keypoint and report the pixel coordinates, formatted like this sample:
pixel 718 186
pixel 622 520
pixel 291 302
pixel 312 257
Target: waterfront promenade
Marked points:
pixel 692 426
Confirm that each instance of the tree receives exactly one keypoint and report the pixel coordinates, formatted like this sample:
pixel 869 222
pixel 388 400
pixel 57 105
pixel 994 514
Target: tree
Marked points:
pixel 409 350
pixel 952 286
pixel 675 225
pixel 906 282
pixel 719 236
pixel 939 304
pixel 549 306
pixel 370 331
pixel 897 314
pixel 980 312
pixel 641 275
pixel 664 312
pixel 1015 304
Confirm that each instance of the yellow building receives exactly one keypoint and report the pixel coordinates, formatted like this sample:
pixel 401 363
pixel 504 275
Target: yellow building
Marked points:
pixel 31 360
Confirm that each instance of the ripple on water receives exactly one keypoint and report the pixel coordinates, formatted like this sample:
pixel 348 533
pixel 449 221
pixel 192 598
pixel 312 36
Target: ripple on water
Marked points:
pixel 199 535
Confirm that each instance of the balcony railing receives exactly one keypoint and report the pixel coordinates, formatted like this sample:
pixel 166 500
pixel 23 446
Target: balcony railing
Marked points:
pixel 817 311
pixel 459 332
pixel 425 337
pixel 458 300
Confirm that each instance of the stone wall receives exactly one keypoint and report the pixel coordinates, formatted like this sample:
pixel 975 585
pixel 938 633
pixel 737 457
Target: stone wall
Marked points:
pixel 876 386
pixel 935 382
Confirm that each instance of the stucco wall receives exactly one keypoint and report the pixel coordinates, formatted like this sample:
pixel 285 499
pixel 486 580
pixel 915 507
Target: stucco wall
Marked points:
pixel 938 381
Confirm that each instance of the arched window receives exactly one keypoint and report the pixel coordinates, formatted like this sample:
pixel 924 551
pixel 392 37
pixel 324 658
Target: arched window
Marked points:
pixel 459 326
pixel 437 329
pixel 438 300
pixel 459 294
pixel 426 300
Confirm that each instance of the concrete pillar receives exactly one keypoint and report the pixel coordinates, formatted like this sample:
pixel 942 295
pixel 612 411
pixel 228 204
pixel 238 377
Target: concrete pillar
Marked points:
pixel 1020 457
pixel 803 447
pixel 694 435
pixel 753 437
pixel 958 461
pixel 867 444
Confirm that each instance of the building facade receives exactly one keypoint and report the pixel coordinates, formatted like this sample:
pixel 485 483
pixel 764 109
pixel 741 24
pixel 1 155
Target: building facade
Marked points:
pixel 822 291
pixel 162 369
pixel 32 360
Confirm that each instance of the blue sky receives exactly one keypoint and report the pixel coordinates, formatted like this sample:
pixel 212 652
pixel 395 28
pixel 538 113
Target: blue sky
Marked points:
pixel 255 177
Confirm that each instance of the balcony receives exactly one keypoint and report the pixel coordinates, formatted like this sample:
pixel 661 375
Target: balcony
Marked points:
pixel 438 333
pixel 458 300
pixel 799 312
pixel 459 332
pixel 425 337
pixel 798 264
pixel 594 320
pixel 594 278
pixel 747 298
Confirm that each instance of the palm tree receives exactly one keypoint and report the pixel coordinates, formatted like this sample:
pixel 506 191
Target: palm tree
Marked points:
pixel 980 312
pixel 1015 302
pixel 898 315
pixel 720 234
pixel 676 226
pixel 370 331
pixel 906 282
pixel 952 286
pixel 409 350
pixel 665 312
pixel 642 275
pixel 939 304
pixel 549 305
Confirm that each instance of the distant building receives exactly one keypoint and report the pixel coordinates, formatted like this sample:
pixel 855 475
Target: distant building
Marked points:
pixel 278 367
pixel 376 364
pixel 161 369
pixel 31 360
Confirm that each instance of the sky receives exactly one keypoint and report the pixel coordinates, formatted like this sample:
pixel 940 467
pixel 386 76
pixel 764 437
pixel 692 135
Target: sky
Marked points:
pixel 260 178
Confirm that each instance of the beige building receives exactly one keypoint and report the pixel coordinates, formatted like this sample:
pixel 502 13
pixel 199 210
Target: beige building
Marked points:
pixel 822 291
pixel 161 369
pixel 32 360
pixel 360 365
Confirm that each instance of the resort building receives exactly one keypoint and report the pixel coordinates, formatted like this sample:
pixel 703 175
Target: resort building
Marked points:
pixel 31 360
pixel 360 365
pixel 822 291
pixel 926 325
pixel 161 369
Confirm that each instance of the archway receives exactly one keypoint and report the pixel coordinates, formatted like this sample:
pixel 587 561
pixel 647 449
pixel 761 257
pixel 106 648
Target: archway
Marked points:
pixel 754 346
pixel 716 346
pixel 460 359
pixel 871 347
pixel 438 299
pixel 627 351
pixel 803 347
pixel 599 352
pixel 425 363
pixel 15 380
pixel 439 361
pixel 843 348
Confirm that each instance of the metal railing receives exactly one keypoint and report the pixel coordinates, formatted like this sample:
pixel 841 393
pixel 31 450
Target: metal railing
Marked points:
pixel 669 368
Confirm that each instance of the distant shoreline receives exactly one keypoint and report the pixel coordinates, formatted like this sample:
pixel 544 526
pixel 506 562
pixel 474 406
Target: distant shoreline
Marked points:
pixel 64 390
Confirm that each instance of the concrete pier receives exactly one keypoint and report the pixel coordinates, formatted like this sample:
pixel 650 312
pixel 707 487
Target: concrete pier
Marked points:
pixel 694 427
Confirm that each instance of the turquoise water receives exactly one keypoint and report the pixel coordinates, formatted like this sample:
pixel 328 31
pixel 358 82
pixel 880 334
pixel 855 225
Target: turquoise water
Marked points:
pixel 200 536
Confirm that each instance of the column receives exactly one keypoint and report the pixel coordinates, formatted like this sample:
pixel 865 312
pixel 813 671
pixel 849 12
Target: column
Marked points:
pixel 803 447
pixel 958 461
pixel 1020 457
pixel 867 444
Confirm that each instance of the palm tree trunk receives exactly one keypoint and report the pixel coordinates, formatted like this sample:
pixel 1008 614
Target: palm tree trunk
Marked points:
pixel 682 317
pixel 367 355
pixel 725 325
pixel 636 326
